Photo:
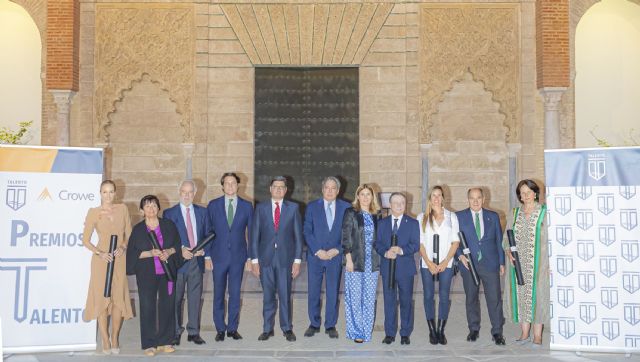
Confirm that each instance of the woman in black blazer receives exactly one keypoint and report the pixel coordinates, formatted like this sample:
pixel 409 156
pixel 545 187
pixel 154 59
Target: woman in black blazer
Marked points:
pixel 154 288
pixel 362 264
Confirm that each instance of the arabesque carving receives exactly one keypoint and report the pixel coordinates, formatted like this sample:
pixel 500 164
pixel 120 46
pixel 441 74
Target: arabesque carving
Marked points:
pixel 483 39
pixel 137 39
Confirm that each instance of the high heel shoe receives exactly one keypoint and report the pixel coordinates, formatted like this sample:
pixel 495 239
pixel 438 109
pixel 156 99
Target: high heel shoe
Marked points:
pixel 522 341
pixel 115 350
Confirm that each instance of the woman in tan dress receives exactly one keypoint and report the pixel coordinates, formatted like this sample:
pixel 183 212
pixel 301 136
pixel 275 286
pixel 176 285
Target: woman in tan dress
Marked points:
pixel 108 219
pixel 529 303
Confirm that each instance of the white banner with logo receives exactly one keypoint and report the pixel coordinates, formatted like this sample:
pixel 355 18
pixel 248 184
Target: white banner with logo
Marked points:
pixel 45 193
pixel 593 198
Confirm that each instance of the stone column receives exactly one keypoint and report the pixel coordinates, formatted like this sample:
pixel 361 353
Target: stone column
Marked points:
pixel 514 149
pixel 63 99
pixel 106 159
pixel 424 152
pixel 188 155
pixel 552 96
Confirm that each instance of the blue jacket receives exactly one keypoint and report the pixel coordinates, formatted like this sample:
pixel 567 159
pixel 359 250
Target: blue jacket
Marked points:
pixel 202 227
pixel 264 238
pixel 230 244
pixel 408 241
pixel 491 242
pixel 316 231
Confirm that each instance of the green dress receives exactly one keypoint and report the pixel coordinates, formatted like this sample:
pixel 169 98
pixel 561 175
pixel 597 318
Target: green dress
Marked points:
pixel 529 303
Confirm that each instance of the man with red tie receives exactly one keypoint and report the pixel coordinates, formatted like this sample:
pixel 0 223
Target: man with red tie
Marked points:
pixel 276 254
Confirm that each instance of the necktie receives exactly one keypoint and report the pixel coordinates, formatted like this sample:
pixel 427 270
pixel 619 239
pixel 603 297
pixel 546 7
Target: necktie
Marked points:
pixel 192 242
pixel 276 216
pixel 478 233
pixel 329 215
pixel 230 213
pixel 395 226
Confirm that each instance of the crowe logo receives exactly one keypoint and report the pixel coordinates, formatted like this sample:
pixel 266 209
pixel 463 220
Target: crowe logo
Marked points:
pixel 44 195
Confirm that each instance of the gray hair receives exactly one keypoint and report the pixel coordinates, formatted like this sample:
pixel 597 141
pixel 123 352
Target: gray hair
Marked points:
pixel 188 181
pixel 278 178
pixel 331 178
pixel 475 189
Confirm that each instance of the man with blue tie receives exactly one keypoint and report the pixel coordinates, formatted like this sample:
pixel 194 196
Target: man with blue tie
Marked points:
pixel 193 225
pixel 407 233
pixel 230 216
pixel 481 228
pixel 276 252
pixel 322 232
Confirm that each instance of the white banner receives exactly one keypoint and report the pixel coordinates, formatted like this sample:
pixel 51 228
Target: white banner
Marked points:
pixel 45 193
pixel 594 245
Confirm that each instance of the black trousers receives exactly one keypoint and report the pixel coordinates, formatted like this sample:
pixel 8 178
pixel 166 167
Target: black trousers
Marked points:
pixel 157 314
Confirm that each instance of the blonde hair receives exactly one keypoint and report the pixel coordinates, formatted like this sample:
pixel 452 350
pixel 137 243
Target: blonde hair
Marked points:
pixel 428 214
pixel 374 207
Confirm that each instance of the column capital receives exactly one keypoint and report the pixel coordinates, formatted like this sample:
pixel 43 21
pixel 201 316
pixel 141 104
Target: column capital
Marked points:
pixel 514 149
pixel 424 149
pixel 552 97
pixel 63 99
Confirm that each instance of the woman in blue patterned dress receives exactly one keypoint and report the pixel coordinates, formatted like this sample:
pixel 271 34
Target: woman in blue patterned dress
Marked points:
pixel 362 264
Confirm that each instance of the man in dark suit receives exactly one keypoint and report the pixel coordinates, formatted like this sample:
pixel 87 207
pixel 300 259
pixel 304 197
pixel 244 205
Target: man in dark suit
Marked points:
pixel 322 232
pixel 193 225
pixel 481 228
pixel 276 252
pixel 230 216
pixel 407 232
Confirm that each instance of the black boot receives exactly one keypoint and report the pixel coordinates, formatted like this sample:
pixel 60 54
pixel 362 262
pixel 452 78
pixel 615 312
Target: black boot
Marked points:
pixel 442 339
pixel 433 334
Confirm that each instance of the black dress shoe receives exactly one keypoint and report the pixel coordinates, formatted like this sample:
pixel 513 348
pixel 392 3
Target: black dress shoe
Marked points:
pixel 472 336
pixel 311 331
pixel 235 335
pixel 219 336
pixel 332 332
pixel 499 339
pixel 176 340
pixel 290 336
pixel 265 335
pixel 405 340
pixel 388 340
pixel 196 339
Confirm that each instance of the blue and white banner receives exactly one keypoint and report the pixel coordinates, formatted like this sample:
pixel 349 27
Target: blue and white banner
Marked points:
pixel 45 193
pixel 593 198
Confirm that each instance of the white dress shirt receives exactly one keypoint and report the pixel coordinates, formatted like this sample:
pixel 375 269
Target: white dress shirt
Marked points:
pixel 194 226
pixel 448 232
pixel 393 220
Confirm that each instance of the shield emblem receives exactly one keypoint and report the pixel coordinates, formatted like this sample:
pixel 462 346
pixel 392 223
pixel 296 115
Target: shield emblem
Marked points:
pixel 627 191
pixel 606 203
pixel 629 218
pixel 630 250
pixel 607 234
pixel 632 341
pixel 609 297
pixel 587 281
pixel 632 313
pixel 584 219
pixel 562 204
pixel 567 327
pixel 585 249
pixel 565 296
pixel 610 328
pixel 563 234
pixel 597 167
pixel 588 339
pixel 564 264
pixel 588 312
pixel 583 192
pixel 16 196
pixel 608 265
pixel 631 281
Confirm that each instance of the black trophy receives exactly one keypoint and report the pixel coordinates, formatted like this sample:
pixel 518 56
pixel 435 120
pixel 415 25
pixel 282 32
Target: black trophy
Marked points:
pixel 467 254
pixel 436 257
pixel 109 277
pixel 514 252
pixel 165 264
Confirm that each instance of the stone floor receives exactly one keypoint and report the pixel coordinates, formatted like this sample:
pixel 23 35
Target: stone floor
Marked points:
pixel 322 348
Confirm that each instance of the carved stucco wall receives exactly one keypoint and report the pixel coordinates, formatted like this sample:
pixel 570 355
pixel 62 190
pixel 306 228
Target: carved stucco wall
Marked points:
pixel 137 39
pixel 481 38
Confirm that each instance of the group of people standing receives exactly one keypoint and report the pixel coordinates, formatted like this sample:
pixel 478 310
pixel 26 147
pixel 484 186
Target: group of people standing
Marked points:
pixel 269 239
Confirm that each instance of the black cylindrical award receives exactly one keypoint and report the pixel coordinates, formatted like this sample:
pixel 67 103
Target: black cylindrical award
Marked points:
pixel 203 243
pixel 514 252
pixel 436 257
pixel 109 277
pixel 165 264
pixel 392 264
pixel 467 254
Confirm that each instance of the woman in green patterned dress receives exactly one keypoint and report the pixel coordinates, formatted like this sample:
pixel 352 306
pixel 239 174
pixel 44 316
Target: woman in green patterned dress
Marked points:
pixel 529 303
